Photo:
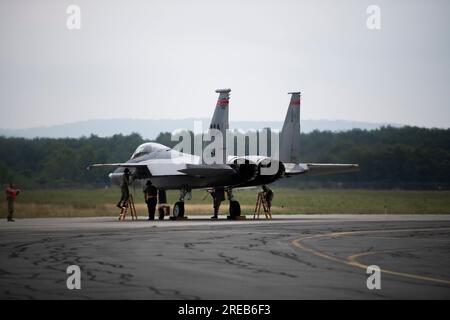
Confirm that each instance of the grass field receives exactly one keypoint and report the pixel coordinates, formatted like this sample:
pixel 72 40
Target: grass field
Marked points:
pixel 101 202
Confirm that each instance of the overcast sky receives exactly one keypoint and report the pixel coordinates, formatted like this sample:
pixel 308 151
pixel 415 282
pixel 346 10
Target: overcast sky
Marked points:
pixel 164 59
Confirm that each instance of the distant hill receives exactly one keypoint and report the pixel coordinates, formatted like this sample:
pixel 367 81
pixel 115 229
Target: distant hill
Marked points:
pixel 149 128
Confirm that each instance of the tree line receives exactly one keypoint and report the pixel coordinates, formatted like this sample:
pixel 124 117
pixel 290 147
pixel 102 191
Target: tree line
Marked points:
pixel 389 157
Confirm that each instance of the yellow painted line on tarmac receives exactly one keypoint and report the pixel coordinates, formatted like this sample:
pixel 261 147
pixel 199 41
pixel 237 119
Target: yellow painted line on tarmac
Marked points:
pixel 352 259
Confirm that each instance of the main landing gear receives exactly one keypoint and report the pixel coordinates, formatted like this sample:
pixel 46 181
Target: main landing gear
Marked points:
pixel 235 207
pixel 218 196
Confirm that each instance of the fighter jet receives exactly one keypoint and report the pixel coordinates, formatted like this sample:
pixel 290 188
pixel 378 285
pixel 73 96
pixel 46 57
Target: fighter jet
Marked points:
pixel 169 169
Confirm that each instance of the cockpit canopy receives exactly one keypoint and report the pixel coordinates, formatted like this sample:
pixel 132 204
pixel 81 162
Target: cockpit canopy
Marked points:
pixel 147 148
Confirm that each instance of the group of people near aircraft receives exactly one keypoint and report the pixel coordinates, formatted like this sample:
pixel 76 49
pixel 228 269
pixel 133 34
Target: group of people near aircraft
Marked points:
pixel 151 196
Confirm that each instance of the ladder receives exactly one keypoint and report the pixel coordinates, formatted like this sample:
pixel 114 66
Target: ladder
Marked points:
pixel 128 205
pixel 261 203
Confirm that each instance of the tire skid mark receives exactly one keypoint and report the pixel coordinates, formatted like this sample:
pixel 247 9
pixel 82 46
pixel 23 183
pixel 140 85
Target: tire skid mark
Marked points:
pixel 57 259
pixel 235 261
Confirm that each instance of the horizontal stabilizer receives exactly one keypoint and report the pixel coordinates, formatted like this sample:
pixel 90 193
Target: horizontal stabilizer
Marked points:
pixel 319 168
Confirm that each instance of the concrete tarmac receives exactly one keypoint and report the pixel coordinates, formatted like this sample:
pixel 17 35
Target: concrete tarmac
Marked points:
pixel 289 257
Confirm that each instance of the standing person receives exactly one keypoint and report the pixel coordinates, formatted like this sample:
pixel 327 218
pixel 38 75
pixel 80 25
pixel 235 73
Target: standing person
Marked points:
pixel 11 194
pixel 268 195
pixel 124 189
pixel 150 195
pixel 218 196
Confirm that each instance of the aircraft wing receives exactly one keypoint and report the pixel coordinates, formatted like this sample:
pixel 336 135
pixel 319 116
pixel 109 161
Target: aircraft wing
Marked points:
pixel 202 170
pixel 124 165
pixel 156 168
pixel 319 168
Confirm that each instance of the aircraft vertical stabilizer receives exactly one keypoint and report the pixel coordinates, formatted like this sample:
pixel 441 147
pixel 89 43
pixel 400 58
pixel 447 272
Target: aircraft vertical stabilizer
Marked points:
pixel 220 117
pixel 290 134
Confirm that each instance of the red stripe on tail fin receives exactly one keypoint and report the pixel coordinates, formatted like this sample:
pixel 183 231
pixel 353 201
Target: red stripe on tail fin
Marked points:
pixel 295 103
pixel 222 102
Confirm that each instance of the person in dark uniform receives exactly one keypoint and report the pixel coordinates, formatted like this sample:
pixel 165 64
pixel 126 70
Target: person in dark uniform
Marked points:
pixel 268 195
pixel 124 189
pixel 11 194
pixel 218 196
pixel 150 195
pixel 162 201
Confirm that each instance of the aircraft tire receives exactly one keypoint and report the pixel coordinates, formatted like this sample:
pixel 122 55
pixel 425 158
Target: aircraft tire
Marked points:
pixel 178 210
pixel 235 209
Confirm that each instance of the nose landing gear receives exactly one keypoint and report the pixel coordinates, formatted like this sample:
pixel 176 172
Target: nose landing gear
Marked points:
pixel 178 208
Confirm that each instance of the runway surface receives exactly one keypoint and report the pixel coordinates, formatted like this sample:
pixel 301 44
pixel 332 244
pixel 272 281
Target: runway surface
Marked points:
pixel 290 257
